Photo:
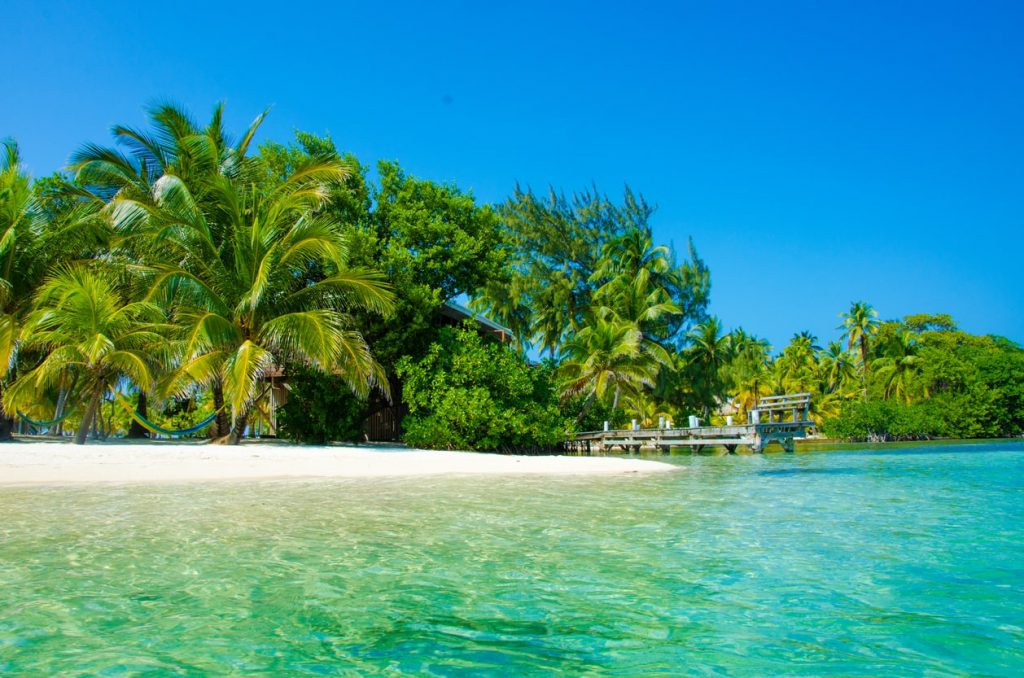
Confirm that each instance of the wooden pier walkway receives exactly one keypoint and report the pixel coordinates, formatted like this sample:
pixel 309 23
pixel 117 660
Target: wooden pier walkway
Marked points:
pixel 779 419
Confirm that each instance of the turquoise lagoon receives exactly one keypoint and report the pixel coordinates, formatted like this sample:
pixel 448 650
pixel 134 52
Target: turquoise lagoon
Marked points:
pixel 894 561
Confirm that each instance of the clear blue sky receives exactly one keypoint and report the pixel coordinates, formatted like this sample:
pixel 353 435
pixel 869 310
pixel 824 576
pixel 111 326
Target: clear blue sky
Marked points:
pixel 822 152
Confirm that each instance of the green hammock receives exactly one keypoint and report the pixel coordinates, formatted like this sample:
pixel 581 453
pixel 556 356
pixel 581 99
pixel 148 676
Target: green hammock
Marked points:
pixel 150 426
pixel 44 424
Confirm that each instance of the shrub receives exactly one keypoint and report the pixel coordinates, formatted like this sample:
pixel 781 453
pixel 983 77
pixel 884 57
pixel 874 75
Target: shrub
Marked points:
pixel 469 393
pixel 879 420
pixel 320 409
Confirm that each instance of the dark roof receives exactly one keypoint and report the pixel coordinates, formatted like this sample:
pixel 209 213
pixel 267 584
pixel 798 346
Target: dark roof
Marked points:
pixel 458 312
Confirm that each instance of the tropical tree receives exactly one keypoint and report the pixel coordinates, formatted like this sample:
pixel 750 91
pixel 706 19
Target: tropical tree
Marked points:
pixel 128 173
pixel 798 363
pixel 564 249
pixel 859 324
pixel 707 355
pixel 836 368
pixel 82 323
pixel 606 361
pixel 257 278
pixel 22 260
pixel 898 366
pixel 746 372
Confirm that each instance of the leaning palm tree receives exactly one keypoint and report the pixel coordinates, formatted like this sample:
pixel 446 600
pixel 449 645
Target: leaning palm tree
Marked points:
pixel 860 323
pixel 258 278
pixel 83 324
pixel 22 259
pixel 606 361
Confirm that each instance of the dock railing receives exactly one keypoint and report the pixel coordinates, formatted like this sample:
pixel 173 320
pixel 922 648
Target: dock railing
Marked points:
pixel 778 419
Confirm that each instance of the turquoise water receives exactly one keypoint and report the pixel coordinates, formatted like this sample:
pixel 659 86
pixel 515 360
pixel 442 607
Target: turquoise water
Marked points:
pixel 902 561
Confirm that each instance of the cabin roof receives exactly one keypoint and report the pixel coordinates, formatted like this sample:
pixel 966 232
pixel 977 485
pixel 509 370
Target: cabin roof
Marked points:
pixel 458 312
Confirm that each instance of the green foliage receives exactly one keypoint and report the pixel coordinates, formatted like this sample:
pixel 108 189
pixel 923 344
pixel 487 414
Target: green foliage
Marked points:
pixel 433 243
pixel 572 256
pixel 232 264
pixel 881 420
pixel 320 409
pixel 937 383
pixel 469 393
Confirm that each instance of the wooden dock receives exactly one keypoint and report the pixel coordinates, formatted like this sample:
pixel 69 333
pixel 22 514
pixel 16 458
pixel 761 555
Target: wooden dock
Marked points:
pixel 778 419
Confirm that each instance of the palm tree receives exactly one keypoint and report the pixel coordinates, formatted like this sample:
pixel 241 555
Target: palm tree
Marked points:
pixel 746 370
pixel 83 324
pixel 898 366
pixel 606 359
pixel 258 278
pixel 860 323
pixel 179 146
pixel 22 259
pixel 798 363
pixel 707 355
pixel 647 409
pixel 836 368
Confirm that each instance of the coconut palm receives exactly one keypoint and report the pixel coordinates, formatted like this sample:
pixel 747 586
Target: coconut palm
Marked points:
pixel 632 252
pixel 176 145
pixel 798 363
pixel 606 360
pixel 258 278
pixel 83 324
pixel 647 410
pixel 897 368
pixel 836 368
pixel 860 323
pixel 707 355
pixel 22 259
pixel 746 370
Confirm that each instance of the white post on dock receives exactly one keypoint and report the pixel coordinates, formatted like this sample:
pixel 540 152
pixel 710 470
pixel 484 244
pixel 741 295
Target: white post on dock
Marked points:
pixel 606 425
pixel 728 420
pixel 633 426
pixel 694 421
pixel 661 422
pixel 755 416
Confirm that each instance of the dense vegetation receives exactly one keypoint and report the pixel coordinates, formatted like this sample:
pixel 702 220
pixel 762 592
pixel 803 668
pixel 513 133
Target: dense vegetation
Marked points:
pixel 468 394
pixel 181 272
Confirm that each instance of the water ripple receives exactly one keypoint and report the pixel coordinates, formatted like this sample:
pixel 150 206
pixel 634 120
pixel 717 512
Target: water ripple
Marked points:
pixel 854 563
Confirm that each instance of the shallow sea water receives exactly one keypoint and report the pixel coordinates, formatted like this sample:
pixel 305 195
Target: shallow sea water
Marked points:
pixel 898 561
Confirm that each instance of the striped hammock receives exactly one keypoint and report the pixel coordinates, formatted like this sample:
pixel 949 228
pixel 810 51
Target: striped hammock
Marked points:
pixel 154 428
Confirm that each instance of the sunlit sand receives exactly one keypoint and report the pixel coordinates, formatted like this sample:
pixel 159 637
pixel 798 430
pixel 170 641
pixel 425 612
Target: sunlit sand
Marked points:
pixel 37 462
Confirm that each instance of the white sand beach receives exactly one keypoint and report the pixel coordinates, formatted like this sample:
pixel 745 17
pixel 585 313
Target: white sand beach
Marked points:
pixel 59 462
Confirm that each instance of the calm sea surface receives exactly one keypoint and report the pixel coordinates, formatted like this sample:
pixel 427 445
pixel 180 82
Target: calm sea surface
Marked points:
pixel 860 562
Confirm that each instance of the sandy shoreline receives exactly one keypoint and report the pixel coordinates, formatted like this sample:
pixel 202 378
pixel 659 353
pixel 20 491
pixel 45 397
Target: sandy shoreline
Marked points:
pixel 59 462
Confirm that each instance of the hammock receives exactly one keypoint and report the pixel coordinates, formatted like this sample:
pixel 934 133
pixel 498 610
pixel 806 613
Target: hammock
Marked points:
pixel 145 423
pixel 44 424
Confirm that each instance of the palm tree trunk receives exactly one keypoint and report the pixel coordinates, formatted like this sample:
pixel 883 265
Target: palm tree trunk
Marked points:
pixel 58 411
pixel 7 421
pixel 6 426
pixel 221 426
pixel 238 431
pixel 137 430
pixel 586 408
pixel 90 415
pixel 864 364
